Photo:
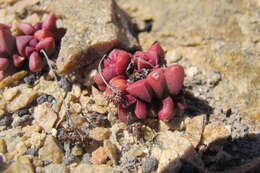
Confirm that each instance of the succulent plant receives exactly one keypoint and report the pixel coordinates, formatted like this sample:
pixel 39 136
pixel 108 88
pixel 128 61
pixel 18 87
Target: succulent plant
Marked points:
pixel 27 45
pixel 139 83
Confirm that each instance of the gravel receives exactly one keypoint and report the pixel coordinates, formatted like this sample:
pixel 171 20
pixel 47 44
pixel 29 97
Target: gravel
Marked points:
pixel 65 84
pixel 149 164
pixel 45 98
pixel 23 112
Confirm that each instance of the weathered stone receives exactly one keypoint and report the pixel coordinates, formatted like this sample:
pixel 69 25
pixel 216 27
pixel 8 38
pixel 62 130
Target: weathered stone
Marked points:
pixel 149 164
pixel 194 129
pixel 51 151
pixel 169 160
pixel 215 131
pixel 3 148
pixel 22 164
pixel 22 100
pixel 37 139
pixel 13 78
pixel 99 156
pixel 111 150
pixel 100 133
pixel 77 151
pixel 11 137
pixel 45 116
pixel 81 168
pixel 54 168
pixel 90 32
pixel 9 94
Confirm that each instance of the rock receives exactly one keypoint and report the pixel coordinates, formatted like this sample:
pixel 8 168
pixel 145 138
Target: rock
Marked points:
pixel 173 56
pixel 3 148
pixel 54 168
pixel 12 79
pixel 37 140
pixel 81 168
pixel 215 131
pixel 51 151
pixel 168 160
pixel 177 142
pixel 77 151
pixel 11 137
pixel 90 33
pixel 21 148
pixel 111 150
pixel 100 133
pixel 10 93
pixel 22 164
pixel 45 116
pixel 194 129
pixel 149 164
pixel 99 156
pixel 25 98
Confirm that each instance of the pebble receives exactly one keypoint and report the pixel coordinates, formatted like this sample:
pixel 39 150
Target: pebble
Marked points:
pixel 23 112
pixel 45 98
pixel 65 84
pixel 100 133
pixel 99 156
pixel 86 158
pixel 3 148
pixel 6 121
pixel 149 164
pixel 31 151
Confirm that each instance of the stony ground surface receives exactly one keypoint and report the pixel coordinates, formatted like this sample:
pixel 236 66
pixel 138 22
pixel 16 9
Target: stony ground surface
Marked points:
pixel 67 125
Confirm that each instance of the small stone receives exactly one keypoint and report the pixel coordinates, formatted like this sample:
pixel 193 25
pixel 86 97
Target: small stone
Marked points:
pixel 23 112
pixel 65 84
pixel 9 94
pixel 75 108
pixel 30 79
pixel 6 121
pixel 82 167
pixel 77 151
pixel 51 151
pixel 21 148
pixel 111 150
pixel 31 151
pixel 55 168
pixel 194 129
pixel 37 139
pixel 149 164
pixel 100 133
pixel 76 90
pixel 45 98
pixel 215 131
pixel 169 160
pixel 22 164
pixel 45 116
pixel 3 148
pixel 24 99
pixel 99 156
pixel 20 121
pixel 86 158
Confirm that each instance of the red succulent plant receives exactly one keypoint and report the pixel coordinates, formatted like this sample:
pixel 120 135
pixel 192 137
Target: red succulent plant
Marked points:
pixel 28 44
pixel 147 86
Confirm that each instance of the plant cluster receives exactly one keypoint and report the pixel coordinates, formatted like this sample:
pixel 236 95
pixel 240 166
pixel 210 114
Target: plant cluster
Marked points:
pixel 140 84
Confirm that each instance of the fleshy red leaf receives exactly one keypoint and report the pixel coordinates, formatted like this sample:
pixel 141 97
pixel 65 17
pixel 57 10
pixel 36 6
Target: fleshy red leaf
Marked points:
pixel 21 42
pixel 140 89
pixel 108 73
pixel 122 114
pixel 35 62
pixel 118 83
pixel 167 110
pixel 7 42
pixel 33 42
pixel 18 60
pixel 50 23
pixel 174 76
pixel 26 28
pixel 29 50
pixel 38 26
pixel 157 49
pixel 42 34
pixel 48 44
pixel 128 100
pixel 141 60
pixel 157 81
pixel 140 109
pixel 4 63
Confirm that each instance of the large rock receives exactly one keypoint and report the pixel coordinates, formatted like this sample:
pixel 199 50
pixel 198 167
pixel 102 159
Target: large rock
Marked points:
pixel 93 27
pixel 225 40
